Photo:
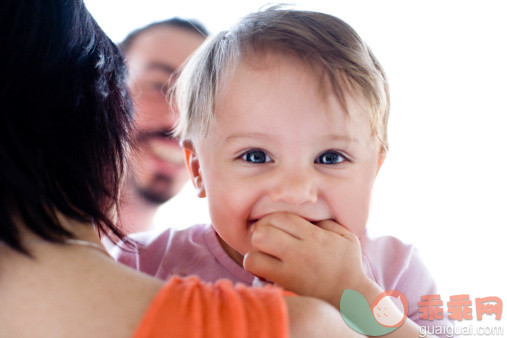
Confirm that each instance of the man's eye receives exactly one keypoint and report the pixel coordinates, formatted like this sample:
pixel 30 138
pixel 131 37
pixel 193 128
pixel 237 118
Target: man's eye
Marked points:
pixel 330 157
pixel 167 133
pixel 159 87
pixel 256 156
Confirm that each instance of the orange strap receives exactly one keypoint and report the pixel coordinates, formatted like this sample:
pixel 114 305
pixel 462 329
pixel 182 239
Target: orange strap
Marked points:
pixel 189 308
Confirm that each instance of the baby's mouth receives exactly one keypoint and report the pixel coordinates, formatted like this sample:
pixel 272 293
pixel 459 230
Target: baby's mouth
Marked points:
pixel 252 221
pixel 313 221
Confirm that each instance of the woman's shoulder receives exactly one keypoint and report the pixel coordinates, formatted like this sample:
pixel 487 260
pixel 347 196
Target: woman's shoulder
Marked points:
pixel 70 291
pixel 187 306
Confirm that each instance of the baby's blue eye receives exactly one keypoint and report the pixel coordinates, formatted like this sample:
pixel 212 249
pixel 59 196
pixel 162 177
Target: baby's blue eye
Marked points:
pixel 330 157
pixel 256 156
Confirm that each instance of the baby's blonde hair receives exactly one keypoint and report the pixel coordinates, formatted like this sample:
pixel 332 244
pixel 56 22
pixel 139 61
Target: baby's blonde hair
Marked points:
pixel 323 42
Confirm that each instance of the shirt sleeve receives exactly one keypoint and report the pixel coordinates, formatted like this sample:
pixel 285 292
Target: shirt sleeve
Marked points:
pixel 190 308
pixel 396 265
pixel 145 252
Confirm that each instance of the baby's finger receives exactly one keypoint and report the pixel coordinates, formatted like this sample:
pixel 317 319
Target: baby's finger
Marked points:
pixel 290 223
pixel 261 265
pixel 271 269
pixel 272 240
pixel 335 227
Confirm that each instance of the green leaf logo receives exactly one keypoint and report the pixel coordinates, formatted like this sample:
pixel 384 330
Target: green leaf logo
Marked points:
pixel 386 314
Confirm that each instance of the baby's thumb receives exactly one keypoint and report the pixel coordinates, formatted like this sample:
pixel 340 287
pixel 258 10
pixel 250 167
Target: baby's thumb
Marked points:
pixel 335 227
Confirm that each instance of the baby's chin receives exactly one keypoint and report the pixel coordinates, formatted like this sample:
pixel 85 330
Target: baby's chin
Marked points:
pixel 235 252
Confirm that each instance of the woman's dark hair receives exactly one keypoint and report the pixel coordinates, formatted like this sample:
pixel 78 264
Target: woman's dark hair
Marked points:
pixel 65 120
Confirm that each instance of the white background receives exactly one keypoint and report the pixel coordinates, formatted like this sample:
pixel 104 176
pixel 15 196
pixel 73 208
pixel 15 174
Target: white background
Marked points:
pixel 443 186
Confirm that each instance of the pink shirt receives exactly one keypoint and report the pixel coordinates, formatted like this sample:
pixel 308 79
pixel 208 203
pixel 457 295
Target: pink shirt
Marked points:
pixel 197 251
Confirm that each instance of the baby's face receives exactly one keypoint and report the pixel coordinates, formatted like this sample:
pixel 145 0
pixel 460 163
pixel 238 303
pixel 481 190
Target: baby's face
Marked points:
pixel 278 144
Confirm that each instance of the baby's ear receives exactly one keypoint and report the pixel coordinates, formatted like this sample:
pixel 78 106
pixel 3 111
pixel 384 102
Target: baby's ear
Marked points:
pixel 380 161
pixel 194 168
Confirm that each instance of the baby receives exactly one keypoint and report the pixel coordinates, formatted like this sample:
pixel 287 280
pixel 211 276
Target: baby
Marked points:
pixel 283 124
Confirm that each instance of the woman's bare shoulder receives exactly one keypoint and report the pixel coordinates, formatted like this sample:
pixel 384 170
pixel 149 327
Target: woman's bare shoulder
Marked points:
pixel 72 294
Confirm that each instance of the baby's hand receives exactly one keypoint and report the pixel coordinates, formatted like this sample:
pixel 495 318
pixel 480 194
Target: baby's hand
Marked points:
pixel 318 260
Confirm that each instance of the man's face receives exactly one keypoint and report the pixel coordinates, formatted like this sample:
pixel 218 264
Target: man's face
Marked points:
pixel 158 169
pixel 279 144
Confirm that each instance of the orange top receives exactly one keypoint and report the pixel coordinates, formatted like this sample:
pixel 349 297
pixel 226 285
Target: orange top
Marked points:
pixel 189 308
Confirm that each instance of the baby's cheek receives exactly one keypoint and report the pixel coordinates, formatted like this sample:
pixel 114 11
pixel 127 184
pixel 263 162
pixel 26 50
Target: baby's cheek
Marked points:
pixel 352 212
pixel 230 224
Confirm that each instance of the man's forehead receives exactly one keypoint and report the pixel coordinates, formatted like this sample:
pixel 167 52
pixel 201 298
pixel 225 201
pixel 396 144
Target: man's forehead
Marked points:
pixel 164 45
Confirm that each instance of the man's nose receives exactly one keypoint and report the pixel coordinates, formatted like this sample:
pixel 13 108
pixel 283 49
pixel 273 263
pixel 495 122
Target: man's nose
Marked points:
pixel 296 187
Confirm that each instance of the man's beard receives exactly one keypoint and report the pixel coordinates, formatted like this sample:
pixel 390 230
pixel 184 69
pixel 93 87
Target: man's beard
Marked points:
pixel 153 195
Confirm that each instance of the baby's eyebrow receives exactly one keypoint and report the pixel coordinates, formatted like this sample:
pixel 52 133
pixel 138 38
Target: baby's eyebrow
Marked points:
pixel 264 136
pixel 342 138
pixel 253 135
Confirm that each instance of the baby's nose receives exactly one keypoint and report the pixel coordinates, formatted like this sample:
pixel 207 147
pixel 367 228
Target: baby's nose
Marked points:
pixel 294 188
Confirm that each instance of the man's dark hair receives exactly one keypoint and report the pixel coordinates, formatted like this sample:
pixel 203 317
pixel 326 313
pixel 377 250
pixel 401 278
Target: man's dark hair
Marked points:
pixel 65 120
pixel 192 26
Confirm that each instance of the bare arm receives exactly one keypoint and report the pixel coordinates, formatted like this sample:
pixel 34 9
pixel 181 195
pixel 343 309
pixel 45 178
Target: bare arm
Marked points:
pixel 310 317
pixel 408 329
